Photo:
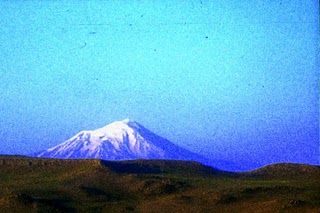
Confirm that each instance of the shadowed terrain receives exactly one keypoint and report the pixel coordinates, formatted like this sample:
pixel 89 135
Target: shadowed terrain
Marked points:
pixel 53 185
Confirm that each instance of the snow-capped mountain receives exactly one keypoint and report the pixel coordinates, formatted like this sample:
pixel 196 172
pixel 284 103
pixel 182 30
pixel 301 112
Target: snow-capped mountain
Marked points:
pixel 125 140
pixel 121 140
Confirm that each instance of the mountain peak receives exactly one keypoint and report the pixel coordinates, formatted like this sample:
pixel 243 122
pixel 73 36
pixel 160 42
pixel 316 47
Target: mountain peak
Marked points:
pixel 126 125
pixel 127 120
pixel 131 123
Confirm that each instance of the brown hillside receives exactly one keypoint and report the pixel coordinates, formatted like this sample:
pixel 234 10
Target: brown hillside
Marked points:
pixel 53 185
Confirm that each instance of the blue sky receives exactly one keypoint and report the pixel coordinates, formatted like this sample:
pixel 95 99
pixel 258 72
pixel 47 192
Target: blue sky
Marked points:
pixel 231 80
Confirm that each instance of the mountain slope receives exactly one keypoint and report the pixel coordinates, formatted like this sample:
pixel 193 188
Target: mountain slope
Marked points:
pixel 286 170
pixel 124 140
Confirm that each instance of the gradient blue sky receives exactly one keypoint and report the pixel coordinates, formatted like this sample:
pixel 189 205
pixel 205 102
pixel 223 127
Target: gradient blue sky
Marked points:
pixel 234 80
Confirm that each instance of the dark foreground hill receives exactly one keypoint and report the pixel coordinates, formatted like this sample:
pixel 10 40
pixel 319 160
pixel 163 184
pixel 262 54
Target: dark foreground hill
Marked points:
pixel 52 185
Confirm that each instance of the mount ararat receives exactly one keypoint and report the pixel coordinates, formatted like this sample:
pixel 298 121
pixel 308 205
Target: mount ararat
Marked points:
pixel 126 140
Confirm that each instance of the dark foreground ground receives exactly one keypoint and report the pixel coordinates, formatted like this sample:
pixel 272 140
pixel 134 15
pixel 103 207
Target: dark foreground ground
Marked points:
pixel 50 185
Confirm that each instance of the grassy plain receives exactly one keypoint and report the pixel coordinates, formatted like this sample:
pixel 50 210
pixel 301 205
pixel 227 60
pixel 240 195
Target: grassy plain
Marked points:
pixel 52 185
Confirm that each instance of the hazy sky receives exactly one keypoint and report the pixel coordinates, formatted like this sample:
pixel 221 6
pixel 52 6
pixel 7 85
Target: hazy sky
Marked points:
pixel 235 80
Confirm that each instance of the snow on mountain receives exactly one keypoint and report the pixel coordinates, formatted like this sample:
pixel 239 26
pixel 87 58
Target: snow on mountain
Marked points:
pixel 120 140
pixel 125 140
